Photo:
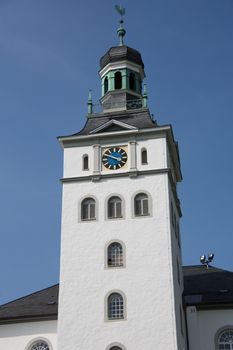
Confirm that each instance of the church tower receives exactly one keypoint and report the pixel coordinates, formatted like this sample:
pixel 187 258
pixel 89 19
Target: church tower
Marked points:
pixel 121 279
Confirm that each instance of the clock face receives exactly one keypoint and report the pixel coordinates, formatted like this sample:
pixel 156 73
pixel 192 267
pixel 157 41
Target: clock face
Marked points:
pixel 114 158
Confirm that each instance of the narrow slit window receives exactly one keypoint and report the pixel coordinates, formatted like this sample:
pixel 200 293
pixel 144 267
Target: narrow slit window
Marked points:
pixel 178 270
pixel 178 233
pixel 181 321
pixel 172 214
pixel 144 156
pixel 85 162
pixel 118 80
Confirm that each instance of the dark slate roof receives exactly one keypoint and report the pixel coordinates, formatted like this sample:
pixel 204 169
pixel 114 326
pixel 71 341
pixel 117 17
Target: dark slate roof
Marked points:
pixel 41 304
pixel 140 119
pixel 202 287
pixel 121 53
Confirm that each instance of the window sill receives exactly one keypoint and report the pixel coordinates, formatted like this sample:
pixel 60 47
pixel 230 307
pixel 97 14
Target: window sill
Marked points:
pixel 142 215
pixel 115 319
pixel 115 218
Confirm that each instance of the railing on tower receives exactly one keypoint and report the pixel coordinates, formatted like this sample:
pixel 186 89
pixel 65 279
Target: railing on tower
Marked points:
pixel 114 105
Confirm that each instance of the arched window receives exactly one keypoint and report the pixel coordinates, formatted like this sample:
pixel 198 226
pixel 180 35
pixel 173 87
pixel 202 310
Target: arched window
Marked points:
pixel 115 348
pixel 141 204
pixel 105 85
pixel 114 207
pixel 39 345
pixel 115 306
pixel 85 162
pixel 132 81
pixel 88 209
pixel 118 80
pixel 225 340
pixel 144 156
pixel 115 255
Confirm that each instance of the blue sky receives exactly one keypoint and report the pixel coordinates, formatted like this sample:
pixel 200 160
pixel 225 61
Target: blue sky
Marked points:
pixel 49 59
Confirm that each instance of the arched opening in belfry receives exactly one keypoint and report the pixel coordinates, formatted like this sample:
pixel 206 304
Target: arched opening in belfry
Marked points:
pixel 132 81
pixel 105 85
pixel 118 80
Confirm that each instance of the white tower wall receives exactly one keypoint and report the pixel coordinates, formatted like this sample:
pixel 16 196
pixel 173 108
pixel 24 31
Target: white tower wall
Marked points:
pixel 149 279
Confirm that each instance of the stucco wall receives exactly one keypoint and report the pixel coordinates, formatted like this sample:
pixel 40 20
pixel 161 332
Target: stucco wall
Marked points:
pixel 177 273
pixel 209 322
pixel 146 281
pixel 204 325
pixel 156 149
pixel 20 335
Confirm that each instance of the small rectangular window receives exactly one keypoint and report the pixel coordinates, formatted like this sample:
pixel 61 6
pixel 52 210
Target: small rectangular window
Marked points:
pixel 85 162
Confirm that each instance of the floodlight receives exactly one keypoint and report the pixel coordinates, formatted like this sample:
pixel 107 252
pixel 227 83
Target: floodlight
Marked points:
pixel 210 257
pixel 203 259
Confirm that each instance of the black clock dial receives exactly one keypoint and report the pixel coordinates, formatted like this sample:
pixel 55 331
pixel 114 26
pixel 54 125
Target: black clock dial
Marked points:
pixel 114 158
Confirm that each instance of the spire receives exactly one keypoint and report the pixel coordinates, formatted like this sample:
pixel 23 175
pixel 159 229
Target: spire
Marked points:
pixel 121 31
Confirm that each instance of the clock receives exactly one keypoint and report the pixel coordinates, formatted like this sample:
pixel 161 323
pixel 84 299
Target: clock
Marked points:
pixel 114 158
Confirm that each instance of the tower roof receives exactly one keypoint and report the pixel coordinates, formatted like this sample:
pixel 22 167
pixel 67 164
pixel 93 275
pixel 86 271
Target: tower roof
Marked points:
pixel 121 53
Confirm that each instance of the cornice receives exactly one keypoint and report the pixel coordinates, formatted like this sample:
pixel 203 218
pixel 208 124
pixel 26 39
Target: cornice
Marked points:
pixel 99 177
pixel 121 65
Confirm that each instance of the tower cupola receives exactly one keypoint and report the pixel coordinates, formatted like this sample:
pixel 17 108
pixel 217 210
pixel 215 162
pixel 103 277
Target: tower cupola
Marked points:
pixel 122 74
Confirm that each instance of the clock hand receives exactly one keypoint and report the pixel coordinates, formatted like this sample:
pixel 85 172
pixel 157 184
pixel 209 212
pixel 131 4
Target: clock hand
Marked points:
pixel 108 155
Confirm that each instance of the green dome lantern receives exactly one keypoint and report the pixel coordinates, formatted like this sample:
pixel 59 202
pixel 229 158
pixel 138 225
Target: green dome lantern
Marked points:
pixel 122 74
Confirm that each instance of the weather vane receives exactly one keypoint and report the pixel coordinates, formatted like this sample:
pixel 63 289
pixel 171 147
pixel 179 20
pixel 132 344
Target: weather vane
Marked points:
pixel 121 31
